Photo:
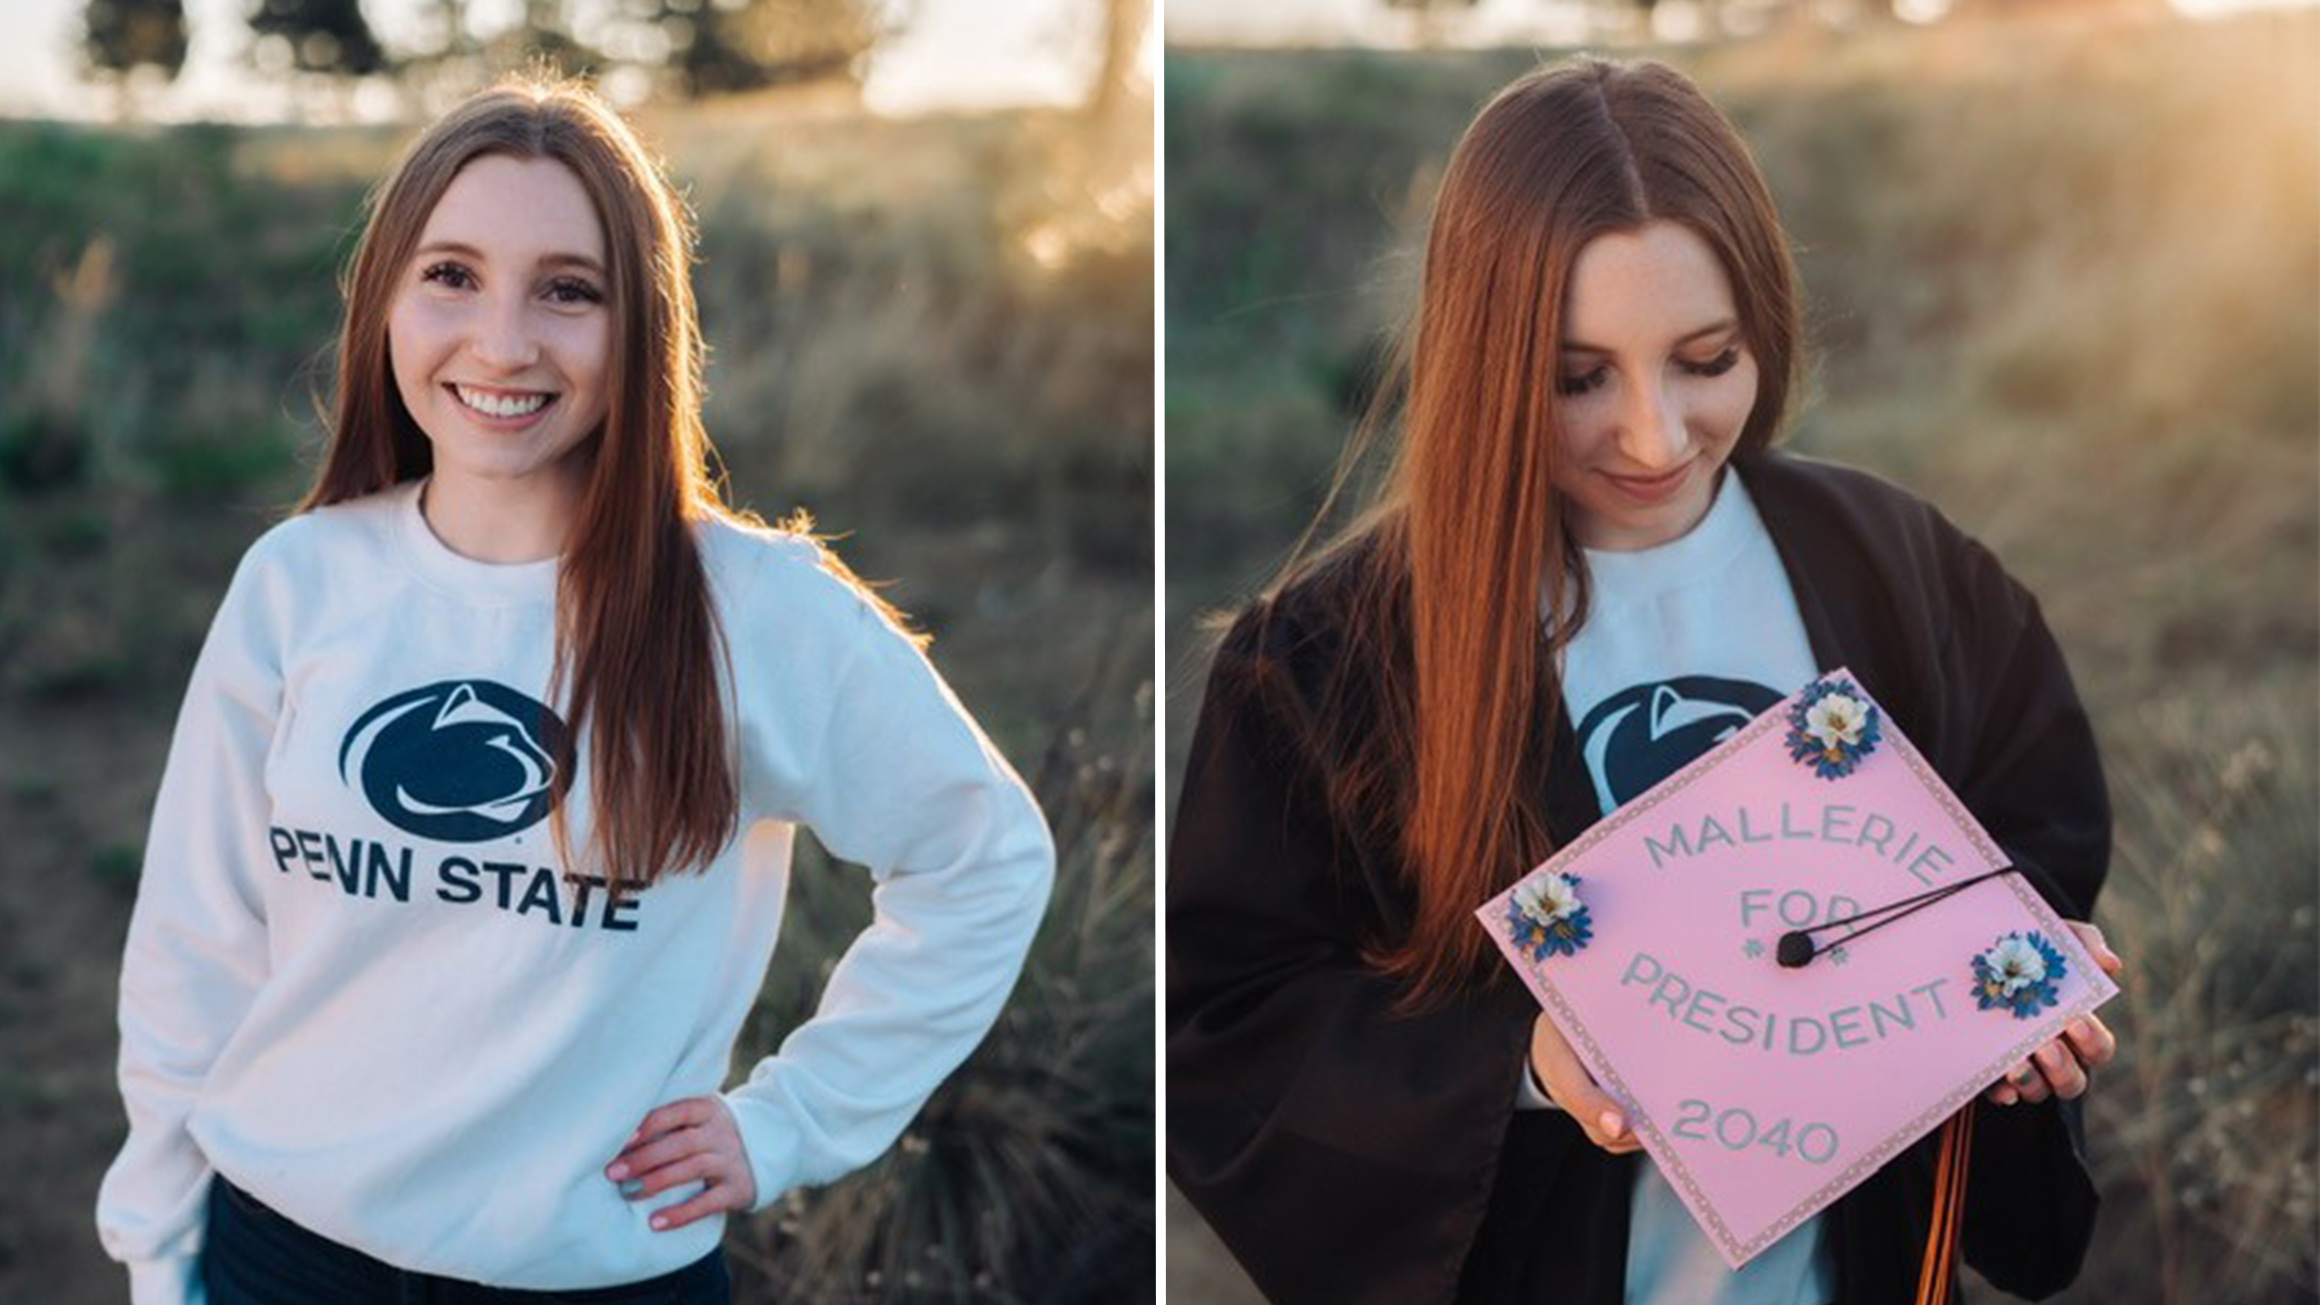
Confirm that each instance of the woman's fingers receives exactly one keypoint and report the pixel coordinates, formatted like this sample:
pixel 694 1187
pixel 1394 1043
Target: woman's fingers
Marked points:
pixel 720 1196
pixel 2060 1068
pixel 694 1140
pixel 2091 1040
pixel 2017 1086
pixel 697 1167
pixel 689 1112
pixel 2052 1071
pixel 643 1157
pixel 1570 1086
pixel 2029 1082
pixel 2065 1077
pixel 2091 938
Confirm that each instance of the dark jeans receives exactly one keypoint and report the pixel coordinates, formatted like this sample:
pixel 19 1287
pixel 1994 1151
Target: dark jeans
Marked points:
pixel 254 1256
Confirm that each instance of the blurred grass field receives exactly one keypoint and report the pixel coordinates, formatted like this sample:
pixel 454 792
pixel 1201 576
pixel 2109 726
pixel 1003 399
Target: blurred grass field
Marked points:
pixel 934 334
pixel 2063 279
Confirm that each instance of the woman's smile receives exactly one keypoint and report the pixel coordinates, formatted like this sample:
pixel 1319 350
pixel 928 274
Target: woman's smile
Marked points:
pixel 1651 489
pixel 502 409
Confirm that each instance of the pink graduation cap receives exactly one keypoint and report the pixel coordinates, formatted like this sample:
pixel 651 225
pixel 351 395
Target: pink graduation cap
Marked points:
pixel 1791 960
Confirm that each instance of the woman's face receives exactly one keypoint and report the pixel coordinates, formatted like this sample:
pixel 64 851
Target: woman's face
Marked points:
pixel 1653 384
pixel 500 333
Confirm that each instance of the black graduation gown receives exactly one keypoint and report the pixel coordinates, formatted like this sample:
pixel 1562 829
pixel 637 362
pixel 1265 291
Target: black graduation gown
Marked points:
pixel 1346 1154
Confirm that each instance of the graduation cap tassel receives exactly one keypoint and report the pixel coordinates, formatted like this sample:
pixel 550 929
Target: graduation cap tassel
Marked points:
pixel 1949 1197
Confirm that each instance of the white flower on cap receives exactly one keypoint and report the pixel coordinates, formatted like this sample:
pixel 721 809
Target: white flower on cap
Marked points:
pixel 1548 898
pixel 1837 718
pixel 2017 962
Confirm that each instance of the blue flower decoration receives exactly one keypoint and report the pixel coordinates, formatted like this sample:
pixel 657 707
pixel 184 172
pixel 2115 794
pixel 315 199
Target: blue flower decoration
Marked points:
pixel 1831 727
pixel 2020 973
pixel 1546 917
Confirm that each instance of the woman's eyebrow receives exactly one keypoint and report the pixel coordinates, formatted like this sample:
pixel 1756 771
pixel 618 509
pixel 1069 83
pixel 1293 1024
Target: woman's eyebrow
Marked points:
pixel 465 250
pixel 1574 346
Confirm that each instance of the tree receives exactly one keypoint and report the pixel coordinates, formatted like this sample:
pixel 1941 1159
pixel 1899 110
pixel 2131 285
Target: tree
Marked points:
pixel 125 35
pixel 329 37
pixel 719 47
pixel 1124 32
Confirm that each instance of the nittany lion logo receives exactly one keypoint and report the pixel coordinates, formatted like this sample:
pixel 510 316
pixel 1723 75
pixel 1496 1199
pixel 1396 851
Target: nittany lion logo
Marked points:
pixel 1639 736
pixel 462 761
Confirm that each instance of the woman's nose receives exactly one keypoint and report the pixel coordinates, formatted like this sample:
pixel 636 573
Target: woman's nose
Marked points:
pixel 503 338
pixel 1652 433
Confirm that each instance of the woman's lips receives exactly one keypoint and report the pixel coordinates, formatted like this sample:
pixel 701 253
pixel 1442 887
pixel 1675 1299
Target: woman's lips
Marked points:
pixel 1651 489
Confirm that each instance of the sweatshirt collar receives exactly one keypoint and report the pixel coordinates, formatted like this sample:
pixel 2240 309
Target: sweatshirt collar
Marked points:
pixel 482 584
pixel 1712 543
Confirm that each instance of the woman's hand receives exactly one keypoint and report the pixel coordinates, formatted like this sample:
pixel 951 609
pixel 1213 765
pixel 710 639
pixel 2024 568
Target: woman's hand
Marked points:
pixel 2060 1068
pixel 686 1141
pixel 1570 1086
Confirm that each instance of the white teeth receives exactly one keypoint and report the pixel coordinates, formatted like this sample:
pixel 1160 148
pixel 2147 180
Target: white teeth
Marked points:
pixel 498 406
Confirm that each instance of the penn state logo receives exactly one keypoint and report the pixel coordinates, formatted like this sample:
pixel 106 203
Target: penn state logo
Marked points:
pixel 461 761
pixel 1641 735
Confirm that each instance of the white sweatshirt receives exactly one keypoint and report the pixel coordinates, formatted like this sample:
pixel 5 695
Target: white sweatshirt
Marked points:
pixel 355 985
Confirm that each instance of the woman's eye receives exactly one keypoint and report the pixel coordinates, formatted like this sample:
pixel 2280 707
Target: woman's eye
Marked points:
pixel 1717 365
pixel 566 290
pixel 1580 384
pixel 448 274
pixel 1593 380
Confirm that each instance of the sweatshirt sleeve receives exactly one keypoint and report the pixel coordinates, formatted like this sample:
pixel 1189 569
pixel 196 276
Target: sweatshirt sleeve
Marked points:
pixel 908 786
pixel 196 951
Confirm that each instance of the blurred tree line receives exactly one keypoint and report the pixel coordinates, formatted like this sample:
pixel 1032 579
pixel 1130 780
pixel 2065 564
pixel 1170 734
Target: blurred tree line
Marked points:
pixel 688 48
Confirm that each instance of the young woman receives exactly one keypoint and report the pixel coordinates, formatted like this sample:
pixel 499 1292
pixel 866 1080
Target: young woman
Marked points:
pixel 470 851
pixel 1587 565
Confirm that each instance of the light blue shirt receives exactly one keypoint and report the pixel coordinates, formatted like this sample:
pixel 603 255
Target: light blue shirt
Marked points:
pixel 1683 644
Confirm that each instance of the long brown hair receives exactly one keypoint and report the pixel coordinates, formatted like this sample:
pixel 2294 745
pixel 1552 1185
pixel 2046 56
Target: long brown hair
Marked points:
pixel 1468 544
pixel 638 640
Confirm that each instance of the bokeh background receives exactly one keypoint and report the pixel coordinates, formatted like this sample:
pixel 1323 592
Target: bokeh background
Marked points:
pixel 2063 266
pixel 927 283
